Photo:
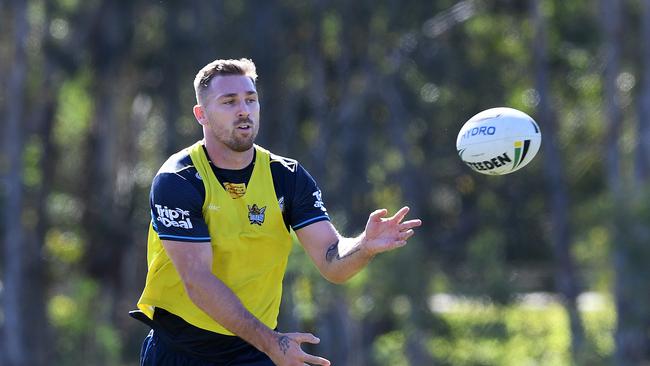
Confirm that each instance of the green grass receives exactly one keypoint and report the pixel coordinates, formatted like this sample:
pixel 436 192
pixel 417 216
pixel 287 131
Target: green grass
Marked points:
pixel 481 334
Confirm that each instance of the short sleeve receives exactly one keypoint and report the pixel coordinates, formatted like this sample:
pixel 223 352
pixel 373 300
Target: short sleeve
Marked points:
pixel 307 206
pixel 177 209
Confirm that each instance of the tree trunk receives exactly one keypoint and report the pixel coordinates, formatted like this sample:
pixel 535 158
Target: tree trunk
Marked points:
pixel 16 282
pixel 317 94
pixel 388 90
pixel 611 18
pixel 40 332
pixel 335 329
pixel 643 148
pixel 350 122
pixel 630 304
pixel 640 230
pixel 170 82
pixel 105 216
pixel 566 279
pixel 5 66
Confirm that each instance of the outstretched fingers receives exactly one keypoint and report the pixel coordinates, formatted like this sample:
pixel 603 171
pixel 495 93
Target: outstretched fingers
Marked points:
pixel 377 215
pixel 306 357
pixel 404 235
pixel 387 233
pixel 304 338
pixel 405 229
pixel 406 225
pixel 399 215
pixel 315 360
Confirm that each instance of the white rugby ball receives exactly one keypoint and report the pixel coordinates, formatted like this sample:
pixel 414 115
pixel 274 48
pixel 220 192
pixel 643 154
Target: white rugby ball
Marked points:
pixel 498 141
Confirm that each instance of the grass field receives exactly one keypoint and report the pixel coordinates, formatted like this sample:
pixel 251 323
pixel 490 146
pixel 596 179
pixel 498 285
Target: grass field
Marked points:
pixel 532 331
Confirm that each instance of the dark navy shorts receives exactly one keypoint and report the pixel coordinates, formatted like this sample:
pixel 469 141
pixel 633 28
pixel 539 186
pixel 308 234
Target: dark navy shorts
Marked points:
pixel 157 352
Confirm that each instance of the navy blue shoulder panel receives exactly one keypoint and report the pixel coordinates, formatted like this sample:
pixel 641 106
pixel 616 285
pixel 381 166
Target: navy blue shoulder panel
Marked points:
pixel 299 196
pixel 177 195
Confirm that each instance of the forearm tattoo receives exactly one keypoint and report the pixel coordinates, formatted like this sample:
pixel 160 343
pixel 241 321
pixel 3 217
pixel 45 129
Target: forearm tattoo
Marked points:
pixel 333 252
pixel 283 342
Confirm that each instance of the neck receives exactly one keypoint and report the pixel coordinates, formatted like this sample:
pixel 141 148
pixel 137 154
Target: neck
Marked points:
pixel 225 158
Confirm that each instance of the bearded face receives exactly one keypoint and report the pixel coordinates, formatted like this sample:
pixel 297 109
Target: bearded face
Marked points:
pixel 232 112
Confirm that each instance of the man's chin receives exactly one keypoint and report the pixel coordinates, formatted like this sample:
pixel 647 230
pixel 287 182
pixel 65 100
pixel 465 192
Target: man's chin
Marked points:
pixel 241 146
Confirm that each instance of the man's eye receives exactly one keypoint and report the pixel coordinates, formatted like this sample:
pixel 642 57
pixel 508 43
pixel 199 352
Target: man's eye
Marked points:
pixel 228 102
pixel 252 100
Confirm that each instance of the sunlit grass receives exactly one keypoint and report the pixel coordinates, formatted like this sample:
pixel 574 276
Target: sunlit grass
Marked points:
pixel 534 330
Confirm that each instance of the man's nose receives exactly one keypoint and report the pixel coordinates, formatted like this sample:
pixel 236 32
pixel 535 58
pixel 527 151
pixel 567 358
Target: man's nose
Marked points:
pixel 244 109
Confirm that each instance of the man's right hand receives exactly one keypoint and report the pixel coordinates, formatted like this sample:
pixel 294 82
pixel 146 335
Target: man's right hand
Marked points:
pixel 287 352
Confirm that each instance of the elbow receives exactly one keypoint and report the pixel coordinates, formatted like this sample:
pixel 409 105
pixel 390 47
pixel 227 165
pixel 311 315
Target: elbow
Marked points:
pixel 192 284
pixel 192 291
pixel 335 278
pixel 337 281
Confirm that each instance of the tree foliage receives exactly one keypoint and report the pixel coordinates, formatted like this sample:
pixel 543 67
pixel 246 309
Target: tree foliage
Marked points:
pixel 368 96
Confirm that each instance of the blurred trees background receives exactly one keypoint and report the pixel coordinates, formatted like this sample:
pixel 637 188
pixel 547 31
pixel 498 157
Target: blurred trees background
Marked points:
pixel 547 266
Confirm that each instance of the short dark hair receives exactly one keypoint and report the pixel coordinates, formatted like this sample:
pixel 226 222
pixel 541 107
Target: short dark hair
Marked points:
pixel 243 66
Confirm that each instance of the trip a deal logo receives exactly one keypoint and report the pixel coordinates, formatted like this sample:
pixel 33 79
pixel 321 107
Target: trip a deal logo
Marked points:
pixel 175 217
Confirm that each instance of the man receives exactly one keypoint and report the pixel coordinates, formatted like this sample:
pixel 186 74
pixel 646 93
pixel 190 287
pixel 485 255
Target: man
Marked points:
pixel 219 239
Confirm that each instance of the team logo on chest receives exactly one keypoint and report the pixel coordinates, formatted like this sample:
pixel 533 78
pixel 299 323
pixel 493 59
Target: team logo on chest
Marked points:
pixel 256 214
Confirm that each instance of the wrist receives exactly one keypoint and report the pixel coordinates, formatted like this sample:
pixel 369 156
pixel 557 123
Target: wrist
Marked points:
pixel 364 248
pixel 269 341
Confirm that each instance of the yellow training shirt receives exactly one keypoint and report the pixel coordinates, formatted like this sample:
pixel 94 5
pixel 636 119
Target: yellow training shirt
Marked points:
pixel 250 246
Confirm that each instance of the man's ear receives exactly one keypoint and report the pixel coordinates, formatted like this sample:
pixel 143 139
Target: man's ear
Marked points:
pixel 199 114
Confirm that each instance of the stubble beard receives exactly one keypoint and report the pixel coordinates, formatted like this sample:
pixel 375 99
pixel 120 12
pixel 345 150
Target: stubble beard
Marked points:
pixel 232 140
pixel 240 144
